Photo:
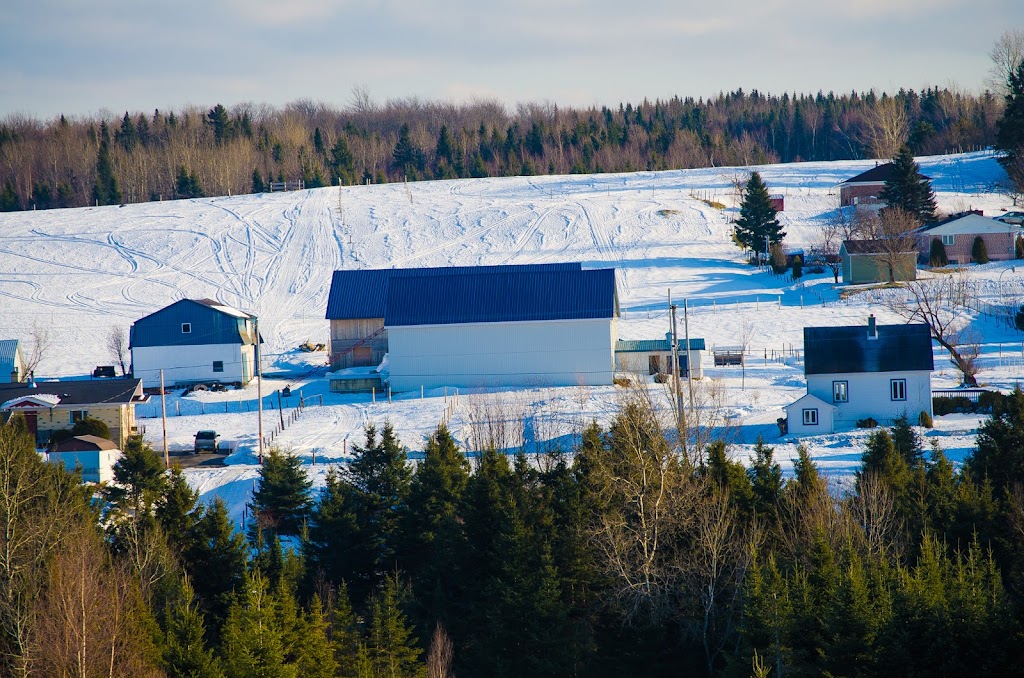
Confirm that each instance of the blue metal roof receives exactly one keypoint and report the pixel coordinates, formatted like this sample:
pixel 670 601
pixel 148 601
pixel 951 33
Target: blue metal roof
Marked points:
pixel 837 350
pixel 8 347
pixel 364 293
pixel 209 324
pixel 655 345
pixel 502 296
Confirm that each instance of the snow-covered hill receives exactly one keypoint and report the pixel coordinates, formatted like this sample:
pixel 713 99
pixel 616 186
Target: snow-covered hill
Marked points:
pixel 80 272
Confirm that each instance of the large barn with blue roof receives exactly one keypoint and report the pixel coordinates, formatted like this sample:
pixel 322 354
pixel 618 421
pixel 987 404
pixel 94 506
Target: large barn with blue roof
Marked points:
pixel 531 325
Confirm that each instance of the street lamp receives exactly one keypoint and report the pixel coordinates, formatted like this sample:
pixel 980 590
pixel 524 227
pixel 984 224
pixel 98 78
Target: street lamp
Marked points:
pixel 999 282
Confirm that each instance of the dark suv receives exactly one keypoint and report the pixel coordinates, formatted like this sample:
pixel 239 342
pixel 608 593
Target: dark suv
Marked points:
pixel 206 441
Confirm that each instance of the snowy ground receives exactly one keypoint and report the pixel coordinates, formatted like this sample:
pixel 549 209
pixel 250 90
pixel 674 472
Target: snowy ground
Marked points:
pixel 81 272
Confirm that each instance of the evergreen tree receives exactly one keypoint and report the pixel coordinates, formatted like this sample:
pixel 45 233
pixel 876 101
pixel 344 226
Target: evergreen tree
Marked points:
pixel 217 119
pixel 282 501
pixel 139 476
pixel 251 646
pixel 765 478
pixel 979 253
pixel 187 185
pixel 407 157
pixel 757 218
pixel 906 441
pixel 729 476
pixel 342 162
pixel 1010 128
pixel 9 200
pixel 346 639
pixel 176 510
pixel 105 191
pixel 390 641
pixel 215 560
pixel 999 447
pixel 907 189
pixel 127 136
pixel 332 546
pixel 881 459
pixel 314 656
pixel 937 254
pixel 185 652
pixel 258 185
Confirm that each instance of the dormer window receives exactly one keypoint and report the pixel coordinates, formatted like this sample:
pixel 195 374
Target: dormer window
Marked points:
pixel 186 328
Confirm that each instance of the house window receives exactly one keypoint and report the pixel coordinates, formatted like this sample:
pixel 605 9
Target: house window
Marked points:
pixel 218 365
pixel 948 239
pixel 840 391
pixel 186 328
pixel 811 417
pixel 78 415
pixel 898 389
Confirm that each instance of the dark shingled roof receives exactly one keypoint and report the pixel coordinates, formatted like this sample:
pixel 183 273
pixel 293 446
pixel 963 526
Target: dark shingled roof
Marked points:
pixel 364 293
pixel 501 296
pixel 898 348
pixel 875 246
pixel 878 174
pixel 114 391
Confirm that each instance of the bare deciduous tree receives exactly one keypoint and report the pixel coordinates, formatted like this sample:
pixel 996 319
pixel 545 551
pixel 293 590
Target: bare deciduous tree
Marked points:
pixel 886 127
pixel 441 655
pixel 117 346
pixel 39 347
pixel 1007 54
pixel 942 304
pixel 873 509
pixel 893 231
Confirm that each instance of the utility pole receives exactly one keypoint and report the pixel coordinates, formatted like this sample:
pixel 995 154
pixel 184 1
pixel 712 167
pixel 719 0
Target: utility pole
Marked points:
pixel 675 376
pixel 689 368
pixel 163 416
pixel 767 258
pixel 259 388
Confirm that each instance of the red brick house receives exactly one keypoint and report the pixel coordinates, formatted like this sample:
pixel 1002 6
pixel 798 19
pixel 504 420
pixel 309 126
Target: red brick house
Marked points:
pixel 958 232
pixel 864 189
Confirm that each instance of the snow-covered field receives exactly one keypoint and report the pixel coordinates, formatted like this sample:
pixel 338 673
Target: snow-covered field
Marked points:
pixel 80 272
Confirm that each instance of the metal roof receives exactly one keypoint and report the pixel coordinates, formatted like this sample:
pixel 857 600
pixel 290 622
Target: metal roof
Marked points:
pixel 501 296
pixel 364 293
pixel 113 391
pixel 8 349
pixel 210 323
pixel 898 348
pixel 655 345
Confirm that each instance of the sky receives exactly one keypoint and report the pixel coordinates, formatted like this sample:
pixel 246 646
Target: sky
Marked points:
pixel 79 58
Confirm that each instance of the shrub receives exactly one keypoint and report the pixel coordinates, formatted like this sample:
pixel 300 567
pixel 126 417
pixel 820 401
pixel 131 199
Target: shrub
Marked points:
pixel 90 427
pixel 867 423
pixel 1018 249
pixel 798 268
pixel 778 259
pixel 622 381
pixel 979 253
pixel 990 401
pixel 937 257
pixel 950 405
pixel 1018 320
pixel 924 419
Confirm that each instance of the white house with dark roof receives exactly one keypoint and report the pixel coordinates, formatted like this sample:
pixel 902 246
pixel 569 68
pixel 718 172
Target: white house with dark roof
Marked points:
pixel 860 372
pixel 12 363
pixel 194 341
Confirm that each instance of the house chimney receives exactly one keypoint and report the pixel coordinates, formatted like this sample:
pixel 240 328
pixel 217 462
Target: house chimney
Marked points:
pixel 872 327
pixel 32 379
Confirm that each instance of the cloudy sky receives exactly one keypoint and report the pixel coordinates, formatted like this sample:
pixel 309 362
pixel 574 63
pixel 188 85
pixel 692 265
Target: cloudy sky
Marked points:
pixel 79 57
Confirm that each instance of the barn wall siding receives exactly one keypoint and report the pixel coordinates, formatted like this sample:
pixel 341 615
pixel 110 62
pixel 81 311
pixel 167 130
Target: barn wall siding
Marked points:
pixel 538 353
pixel 182 364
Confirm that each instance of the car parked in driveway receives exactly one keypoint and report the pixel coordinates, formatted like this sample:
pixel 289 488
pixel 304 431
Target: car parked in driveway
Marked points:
pixel 206 441
pixel 1012 218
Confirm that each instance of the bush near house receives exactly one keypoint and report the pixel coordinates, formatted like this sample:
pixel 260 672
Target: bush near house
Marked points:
pixel 979 253
pixel 937 256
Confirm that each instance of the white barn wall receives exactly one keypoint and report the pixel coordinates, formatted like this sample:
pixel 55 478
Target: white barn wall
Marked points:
pixel 532 353
pixel 870 396
pixel 192 363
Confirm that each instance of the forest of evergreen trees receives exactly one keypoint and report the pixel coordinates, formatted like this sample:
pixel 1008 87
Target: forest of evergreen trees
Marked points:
pixel 631 556
pixel 141 156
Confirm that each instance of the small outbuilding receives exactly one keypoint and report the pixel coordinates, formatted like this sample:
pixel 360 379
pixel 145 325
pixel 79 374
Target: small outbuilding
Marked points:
pixel 195 341
pixel 874 261
pixel 12 364
pixel 94 456
pixel 654 356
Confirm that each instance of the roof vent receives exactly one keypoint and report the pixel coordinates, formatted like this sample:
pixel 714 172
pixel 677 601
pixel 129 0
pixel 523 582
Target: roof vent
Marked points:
pixel 872 327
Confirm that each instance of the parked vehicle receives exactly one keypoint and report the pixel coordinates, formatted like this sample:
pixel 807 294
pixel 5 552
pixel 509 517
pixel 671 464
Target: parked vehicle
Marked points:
pixel 1012 218
pixel 104 372
pixel 206 441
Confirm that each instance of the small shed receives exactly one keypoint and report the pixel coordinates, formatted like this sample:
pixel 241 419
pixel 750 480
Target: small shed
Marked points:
pixel 95 457
pixel 778 202
pixel 654 356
